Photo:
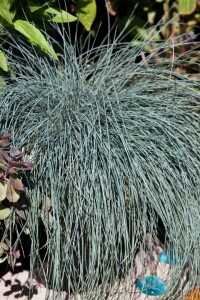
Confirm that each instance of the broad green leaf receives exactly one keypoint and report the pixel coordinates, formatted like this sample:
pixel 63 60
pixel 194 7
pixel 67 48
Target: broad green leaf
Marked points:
pixel 6 3
pixel 12 194
pixel 58 16
pixel 186 7
pixel 35 36
pixel 3 63
pixel 13 13
pixel 4 212
pixel 86 12
pixel 6 15
pixel 35 6
pixel 3 188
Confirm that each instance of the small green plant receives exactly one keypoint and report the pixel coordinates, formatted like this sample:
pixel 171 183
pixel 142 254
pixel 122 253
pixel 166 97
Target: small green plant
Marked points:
pixel 28 18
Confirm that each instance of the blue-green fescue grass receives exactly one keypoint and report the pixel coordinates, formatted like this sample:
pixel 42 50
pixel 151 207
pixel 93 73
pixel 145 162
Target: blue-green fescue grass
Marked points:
pixel 116 146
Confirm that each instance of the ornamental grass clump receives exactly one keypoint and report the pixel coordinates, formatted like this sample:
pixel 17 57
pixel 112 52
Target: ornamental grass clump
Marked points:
pixel 115 145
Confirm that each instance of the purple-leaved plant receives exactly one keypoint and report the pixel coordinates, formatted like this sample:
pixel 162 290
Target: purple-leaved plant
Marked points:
pixel 11 187
pixel 11 164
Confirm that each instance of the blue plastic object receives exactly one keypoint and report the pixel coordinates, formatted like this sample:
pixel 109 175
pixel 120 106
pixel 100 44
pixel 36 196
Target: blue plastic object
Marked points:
pixel 152 286
pixel 169 257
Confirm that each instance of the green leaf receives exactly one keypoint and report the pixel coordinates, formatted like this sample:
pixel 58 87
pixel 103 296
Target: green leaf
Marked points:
pixel 35 36
pixel 86 12
pixel 4 212
pixel 3 62
pixel 50 14
pixel 58 16
pixel 6 15
pixel 6 3
pixel 35 6
pixel 12 194
pixel 186 7
pixel 3 188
